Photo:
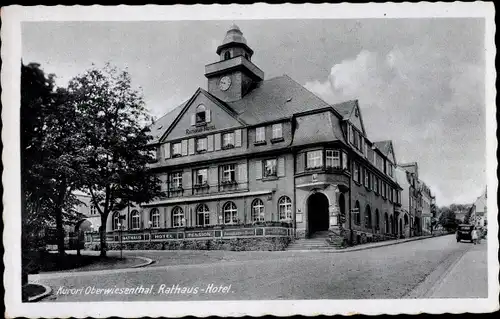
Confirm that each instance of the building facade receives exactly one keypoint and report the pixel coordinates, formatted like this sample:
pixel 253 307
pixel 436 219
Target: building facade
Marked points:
pixel 479 212
pixel 251 151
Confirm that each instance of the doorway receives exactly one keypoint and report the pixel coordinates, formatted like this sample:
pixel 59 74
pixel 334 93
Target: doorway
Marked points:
pixel 317 213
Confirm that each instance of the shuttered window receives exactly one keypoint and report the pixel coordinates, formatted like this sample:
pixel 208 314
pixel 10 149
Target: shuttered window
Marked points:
pixel 281 166
pixel 258 169
pixel 242 173
pixel 217 142
pixel 237 138
pixel 210 143
pixel 191 146
pixel 184 147
pixel 166 150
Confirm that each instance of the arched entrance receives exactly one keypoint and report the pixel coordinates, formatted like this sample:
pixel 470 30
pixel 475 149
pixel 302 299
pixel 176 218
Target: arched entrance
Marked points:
pixel 317 213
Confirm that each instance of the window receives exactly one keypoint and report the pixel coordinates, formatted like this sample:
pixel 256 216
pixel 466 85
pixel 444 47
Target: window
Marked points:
pixel 390 169
pixel 356 214
pixel 344 161
pixel 135 220
pixel 154 217
pixel 93 210
pixel 176 149
pixel 230 213
pixel 384 189
pixel 285 208
pixel 270 168
pixel 177 217
pixel 228 173
pixel 202 215
pixel 367 178
pixel 356 172
pixel 260 134
pixel 201 176
pixel 368 217
pixel 228 140
pixel 332 158
pixel 176 180
pixel 201 144
pixel 356 139
pixel 116 220
pixel 258 210
pixel 227 55
pixel 376 185
pixel 277 131
pixel 201 114
pixel 314 159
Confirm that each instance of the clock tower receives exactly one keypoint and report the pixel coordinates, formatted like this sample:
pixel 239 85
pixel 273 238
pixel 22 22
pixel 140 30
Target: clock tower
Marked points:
pixel 234 75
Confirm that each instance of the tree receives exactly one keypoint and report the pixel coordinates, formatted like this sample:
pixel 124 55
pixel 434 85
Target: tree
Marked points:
pixel 49 148
pixel 115 134
pixel 448 219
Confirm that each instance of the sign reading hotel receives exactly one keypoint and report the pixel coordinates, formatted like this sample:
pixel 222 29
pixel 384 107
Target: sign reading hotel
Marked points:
pixel 200 129
pixel 164 236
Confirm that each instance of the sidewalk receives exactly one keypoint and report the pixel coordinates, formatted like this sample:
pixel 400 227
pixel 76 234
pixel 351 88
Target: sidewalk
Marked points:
pixel 375 245
pixel 467 278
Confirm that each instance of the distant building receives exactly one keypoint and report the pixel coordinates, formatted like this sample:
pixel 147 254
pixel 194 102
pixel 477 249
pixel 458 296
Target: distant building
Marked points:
pixel 426 204
pixel 479 216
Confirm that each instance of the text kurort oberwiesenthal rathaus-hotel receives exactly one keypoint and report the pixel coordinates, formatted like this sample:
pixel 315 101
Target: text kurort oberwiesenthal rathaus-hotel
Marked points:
pixel 151 290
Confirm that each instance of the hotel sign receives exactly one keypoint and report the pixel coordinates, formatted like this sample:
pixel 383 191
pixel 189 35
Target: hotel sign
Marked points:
pixel 164 236
pixel 200 129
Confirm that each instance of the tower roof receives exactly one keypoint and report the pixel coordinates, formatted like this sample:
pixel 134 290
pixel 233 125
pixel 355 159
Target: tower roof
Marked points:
pixel 234 36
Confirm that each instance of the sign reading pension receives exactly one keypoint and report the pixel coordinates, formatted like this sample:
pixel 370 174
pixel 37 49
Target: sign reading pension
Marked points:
pixel 164 236
pixel 239 232
pixel 200 234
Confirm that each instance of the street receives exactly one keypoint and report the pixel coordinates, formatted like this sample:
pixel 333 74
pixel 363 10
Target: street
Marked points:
pixel 431 267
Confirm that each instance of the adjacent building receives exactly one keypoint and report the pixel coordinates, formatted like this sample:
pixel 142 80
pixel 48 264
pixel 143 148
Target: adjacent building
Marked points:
pixel 479 209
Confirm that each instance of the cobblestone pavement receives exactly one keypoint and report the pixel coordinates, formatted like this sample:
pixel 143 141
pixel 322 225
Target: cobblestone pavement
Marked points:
pixel 384 272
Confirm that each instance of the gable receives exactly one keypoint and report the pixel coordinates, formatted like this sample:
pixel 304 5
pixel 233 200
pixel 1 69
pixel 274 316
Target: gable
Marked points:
pixel 217 117
pixel 390 154
pixel 355 119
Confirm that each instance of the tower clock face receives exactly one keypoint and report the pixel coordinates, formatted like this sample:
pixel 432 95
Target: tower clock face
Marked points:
pixel 225 83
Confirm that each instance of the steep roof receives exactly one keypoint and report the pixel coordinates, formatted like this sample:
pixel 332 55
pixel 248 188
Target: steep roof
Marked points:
pixel 383 146
pixel 345 108
pixel 274 99
pixel 162 124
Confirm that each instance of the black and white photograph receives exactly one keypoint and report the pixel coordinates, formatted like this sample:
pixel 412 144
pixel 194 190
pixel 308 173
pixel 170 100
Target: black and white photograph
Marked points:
pixel 249 160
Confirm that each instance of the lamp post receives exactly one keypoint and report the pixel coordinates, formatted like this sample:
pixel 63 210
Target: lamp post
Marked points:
pixel 150 223
pixel 120 233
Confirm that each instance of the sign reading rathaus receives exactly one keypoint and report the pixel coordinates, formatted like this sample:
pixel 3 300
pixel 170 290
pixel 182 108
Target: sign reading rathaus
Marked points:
pixel 264 162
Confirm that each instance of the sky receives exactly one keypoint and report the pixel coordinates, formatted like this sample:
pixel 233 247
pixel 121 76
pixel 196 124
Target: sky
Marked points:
pixel 419 82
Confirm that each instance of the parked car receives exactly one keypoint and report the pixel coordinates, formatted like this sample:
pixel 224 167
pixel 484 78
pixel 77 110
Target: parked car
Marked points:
pixel 464 232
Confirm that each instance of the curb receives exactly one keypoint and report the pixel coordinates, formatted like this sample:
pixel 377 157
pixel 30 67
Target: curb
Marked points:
pixel 347 250
pixel 44 294
pixel 147 262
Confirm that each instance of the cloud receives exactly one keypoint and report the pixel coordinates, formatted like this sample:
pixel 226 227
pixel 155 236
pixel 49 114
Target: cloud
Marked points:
pixel 429 101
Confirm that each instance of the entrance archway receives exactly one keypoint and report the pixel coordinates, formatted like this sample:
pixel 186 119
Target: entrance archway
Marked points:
pixel 317 213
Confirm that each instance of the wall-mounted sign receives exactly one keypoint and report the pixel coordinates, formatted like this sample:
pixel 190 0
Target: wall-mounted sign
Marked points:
pixel 314 177
pixel 239 232
pixel 133 237
pixel 164 236
pixel 298 218
pixel 200 129
pixel 199 234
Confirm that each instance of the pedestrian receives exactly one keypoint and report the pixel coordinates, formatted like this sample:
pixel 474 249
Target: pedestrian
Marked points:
pixel 474 236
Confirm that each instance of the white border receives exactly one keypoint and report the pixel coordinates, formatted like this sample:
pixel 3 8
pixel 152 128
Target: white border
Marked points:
pixel 11 53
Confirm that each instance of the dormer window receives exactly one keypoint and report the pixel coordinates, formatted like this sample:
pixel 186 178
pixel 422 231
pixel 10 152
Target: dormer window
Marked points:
pixel 227 55
pixel 201 114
